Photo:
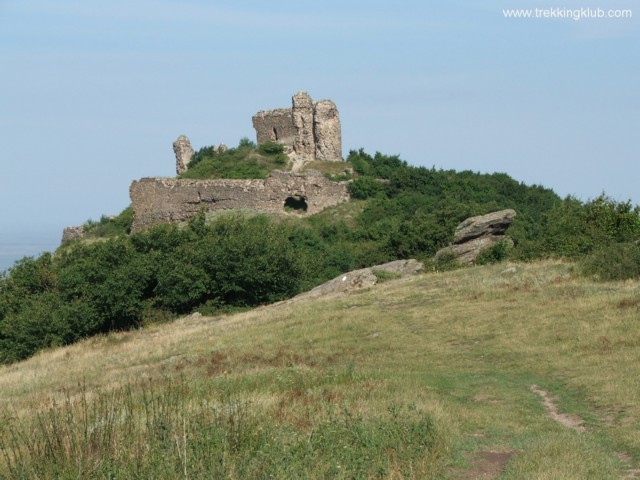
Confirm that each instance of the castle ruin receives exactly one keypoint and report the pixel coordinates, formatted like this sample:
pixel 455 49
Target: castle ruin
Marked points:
pixel 311 129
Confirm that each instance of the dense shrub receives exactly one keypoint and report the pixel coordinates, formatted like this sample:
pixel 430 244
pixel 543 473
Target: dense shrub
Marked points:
pixel 611 221
pixel 445 260
pixel 362 188
pixel 271 148
pixel 379 165
pixel 103 286
pixel 573 229
pixel 110 226
pixel 209 151
pixel 494 254
pixel 246 142
pixel 617 261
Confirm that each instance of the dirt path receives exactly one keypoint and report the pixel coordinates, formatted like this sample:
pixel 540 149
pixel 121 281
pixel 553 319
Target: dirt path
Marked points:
pixel 570 421
pixel 574 422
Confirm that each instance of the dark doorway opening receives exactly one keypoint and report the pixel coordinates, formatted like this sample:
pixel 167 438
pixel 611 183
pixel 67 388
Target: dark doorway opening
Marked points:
pixel 296 203
pixel 275 134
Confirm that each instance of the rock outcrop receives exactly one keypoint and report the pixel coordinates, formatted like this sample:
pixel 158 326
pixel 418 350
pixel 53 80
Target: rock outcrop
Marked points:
pixel 477 234
pixel 365 277
pixel 184 152
pixel 159 200
pixel 311 129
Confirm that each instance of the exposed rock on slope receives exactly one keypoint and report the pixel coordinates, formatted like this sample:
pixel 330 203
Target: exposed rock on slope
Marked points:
pixel 477 234
pixel 364 278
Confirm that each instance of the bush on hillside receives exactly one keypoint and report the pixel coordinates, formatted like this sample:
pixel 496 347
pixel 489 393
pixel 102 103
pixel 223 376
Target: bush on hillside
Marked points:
pixel 104 286
pixel 445 261
pixel 209 151
pixel 246 142
pixel 378 165
pixel 271 148
pixel 617 261
pixel 612 221
pixel 573 229
pixel 362 188
pixel 497 253
pixel 109 226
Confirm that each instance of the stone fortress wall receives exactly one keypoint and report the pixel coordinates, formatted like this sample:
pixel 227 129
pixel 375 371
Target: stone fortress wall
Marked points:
pixel 159 200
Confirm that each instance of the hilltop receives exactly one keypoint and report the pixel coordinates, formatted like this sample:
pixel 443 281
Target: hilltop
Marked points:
pixel 523 368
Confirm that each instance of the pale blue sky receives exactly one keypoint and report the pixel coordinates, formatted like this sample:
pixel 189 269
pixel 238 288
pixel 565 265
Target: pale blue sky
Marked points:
pixel 93 92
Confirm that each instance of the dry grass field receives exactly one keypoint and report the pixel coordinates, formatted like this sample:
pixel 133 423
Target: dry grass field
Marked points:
pixel 510 371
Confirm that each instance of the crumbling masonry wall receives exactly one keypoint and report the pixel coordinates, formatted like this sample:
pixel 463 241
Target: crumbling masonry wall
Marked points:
pixel 161 200
pixel 311 129
pixel 275 125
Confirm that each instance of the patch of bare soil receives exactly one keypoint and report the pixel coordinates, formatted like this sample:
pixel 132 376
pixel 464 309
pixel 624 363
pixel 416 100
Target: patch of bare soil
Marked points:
pixel 485 466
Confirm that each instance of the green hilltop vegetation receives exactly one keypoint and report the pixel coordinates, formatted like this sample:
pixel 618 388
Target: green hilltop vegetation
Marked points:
pixel 117 281
pixel 245 161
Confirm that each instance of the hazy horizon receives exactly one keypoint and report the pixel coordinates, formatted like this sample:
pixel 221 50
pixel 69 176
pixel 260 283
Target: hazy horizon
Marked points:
pixel 27 244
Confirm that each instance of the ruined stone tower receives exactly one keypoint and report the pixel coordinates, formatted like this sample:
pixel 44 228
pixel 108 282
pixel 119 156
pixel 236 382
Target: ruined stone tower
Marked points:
pixel 311 129
pixel 183 150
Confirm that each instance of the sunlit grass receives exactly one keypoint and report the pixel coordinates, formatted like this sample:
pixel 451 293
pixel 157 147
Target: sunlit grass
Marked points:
pixel 457 350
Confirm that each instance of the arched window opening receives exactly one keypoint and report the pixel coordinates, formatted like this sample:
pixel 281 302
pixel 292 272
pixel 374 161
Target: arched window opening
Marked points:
pixel 296 203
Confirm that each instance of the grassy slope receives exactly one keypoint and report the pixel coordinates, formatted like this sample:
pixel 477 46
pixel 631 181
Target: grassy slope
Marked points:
pixel 464 346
